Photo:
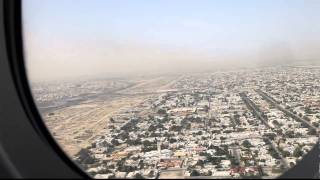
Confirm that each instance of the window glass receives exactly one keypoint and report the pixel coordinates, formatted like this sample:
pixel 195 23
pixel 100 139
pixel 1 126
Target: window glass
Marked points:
pixel 177 89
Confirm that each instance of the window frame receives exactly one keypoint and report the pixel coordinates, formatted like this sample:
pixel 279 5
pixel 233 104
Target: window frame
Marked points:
pixel 27 148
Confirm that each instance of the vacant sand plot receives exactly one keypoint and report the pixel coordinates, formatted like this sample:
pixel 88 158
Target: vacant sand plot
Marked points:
pixel 150 85
pixel 76 126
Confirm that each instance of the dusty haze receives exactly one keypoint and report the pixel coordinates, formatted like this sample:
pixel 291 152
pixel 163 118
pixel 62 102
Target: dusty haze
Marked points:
pixel 112 38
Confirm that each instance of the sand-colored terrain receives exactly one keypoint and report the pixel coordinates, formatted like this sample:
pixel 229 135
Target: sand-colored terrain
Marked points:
pixel 150 85
pixel 75 127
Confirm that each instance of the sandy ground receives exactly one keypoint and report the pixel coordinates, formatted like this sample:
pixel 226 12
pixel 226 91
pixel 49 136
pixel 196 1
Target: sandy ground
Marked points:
pixel 77 126
pixel 150 85
pixel 172 174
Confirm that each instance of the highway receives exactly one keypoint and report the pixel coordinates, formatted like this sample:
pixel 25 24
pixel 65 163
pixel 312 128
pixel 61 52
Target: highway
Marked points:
pixel 270 100
pixel 284 161
pixel 256 111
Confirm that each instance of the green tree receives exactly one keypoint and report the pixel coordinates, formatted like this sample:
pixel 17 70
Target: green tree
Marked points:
pixel 194 173
pixel 246 144
pixel 285 153
pixel 297 152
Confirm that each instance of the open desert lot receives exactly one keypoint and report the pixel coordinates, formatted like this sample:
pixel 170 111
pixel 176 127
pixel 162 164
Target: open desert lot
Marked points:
pixel 75 126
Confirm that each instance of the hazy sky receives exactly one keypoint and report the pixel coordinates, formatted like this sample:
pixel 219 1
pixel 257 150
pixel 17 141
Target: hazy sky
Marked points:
pixel 73 38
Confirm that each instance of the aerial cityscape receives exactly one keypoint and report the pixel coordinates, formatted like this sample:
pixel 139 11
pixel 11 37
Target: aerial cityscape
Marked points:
pixel 177 89
pixel 226 124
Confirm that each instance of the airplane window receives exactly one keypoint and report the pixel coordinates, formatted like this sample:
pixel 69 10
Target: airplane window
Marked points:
pixel 177 89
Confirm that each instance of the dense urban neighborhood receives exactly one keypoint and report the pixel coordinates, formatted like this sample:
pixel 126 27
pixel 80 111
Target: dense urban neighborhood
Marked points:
pixel 232 124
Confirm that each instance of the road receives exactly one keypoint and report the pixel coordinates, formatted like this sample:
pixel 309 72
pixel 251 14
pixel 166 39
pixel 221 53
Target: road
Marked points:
pixel 283 160
pixel 281 108
pixel 256 111
pixel 253 107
